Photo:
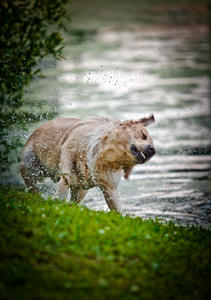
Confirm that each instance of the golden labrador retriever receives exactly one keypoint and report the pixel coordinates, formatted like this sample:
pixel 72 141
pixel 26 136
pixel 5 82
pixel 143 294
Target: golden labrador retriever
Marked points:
pixel 86 153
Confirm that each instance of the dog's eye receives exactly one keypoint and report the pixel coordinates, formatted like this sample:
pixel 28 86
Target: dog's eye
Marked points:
pixel 133 148
pixel 144 136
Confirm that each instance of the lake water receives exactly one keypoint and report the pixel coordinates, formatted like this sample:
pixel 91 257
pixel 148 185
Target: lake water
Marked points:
pixel 128 74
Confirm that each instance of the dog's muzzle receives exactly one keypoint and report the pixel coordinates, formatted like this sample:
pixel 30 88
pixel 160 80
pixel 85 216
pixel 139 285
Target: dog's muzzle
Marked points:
pixel 144 155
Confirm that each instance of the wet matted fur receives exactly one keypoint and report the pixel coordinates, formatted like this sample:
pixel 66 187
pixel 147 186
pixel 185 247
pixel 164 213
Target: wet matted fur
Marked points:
pixel 86 153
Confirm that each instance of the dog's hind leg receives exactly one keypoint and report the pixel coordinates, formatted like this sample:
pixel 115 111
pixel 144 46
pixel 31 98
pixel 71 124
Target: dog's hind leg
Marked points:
pixel 30 170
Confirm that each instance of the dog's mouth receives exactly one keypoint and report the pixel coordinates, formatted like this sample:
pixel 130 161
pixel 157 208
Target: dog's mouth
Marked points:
pixel 140 156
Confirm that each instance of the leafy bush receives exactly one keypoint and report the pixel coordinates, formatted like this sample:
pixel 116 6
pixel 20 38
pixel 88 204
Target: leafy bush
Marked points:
pixel 30 31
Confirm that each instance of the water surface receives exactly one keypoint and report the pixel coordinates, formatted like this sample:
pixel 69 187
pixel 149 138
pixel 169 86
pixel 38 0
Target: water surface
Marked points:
pixel 128 73
pixel 131 74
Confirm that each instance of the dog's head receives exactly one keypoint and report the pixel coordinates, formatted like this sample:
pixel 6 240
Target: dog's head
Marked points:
pixel 126 145
pixel 130 143
pixel 141 145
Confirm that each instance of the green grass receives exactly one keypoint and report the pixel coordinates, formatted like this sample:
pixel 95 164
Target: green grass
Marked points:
pixel 53 250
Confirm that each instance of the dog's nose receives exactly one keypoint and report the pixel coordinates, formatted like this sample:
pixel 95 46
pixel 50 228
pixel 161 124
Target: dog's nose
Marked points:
pixel 151 150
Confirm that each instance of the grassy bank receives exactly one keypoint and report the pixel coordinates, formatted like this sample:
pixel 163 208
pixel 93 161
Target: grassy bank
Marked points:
pixel 52 250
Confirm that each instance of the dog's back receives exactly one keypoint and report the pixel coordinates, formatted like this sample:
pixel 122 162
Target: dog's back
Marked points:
pixel 41 154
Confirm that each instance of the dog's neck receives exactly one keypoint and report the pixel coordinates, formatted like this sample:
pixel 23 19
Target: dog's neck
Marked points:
pixel 111 156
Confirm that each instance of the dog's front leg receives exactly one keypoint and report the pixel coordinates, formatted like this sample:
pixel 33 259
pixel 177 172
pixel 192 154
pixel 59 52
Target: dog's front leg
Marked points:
pixel 63 187
pixel 112 198
pixel 66 163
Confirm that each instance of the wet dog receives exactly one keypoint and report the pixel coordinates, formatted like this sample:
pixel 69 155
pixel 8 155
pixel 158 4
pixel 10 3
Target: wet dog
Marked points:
pixel 86 153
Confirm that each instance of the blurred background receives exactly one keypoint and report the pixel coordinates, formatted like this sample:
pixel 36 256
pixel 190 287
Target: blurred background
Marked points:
pixel 126 60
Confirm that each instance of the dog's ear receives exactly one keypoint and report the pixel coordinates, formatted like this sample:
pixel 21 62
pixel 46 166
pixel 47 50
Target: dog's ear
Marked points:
pixel 147 121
